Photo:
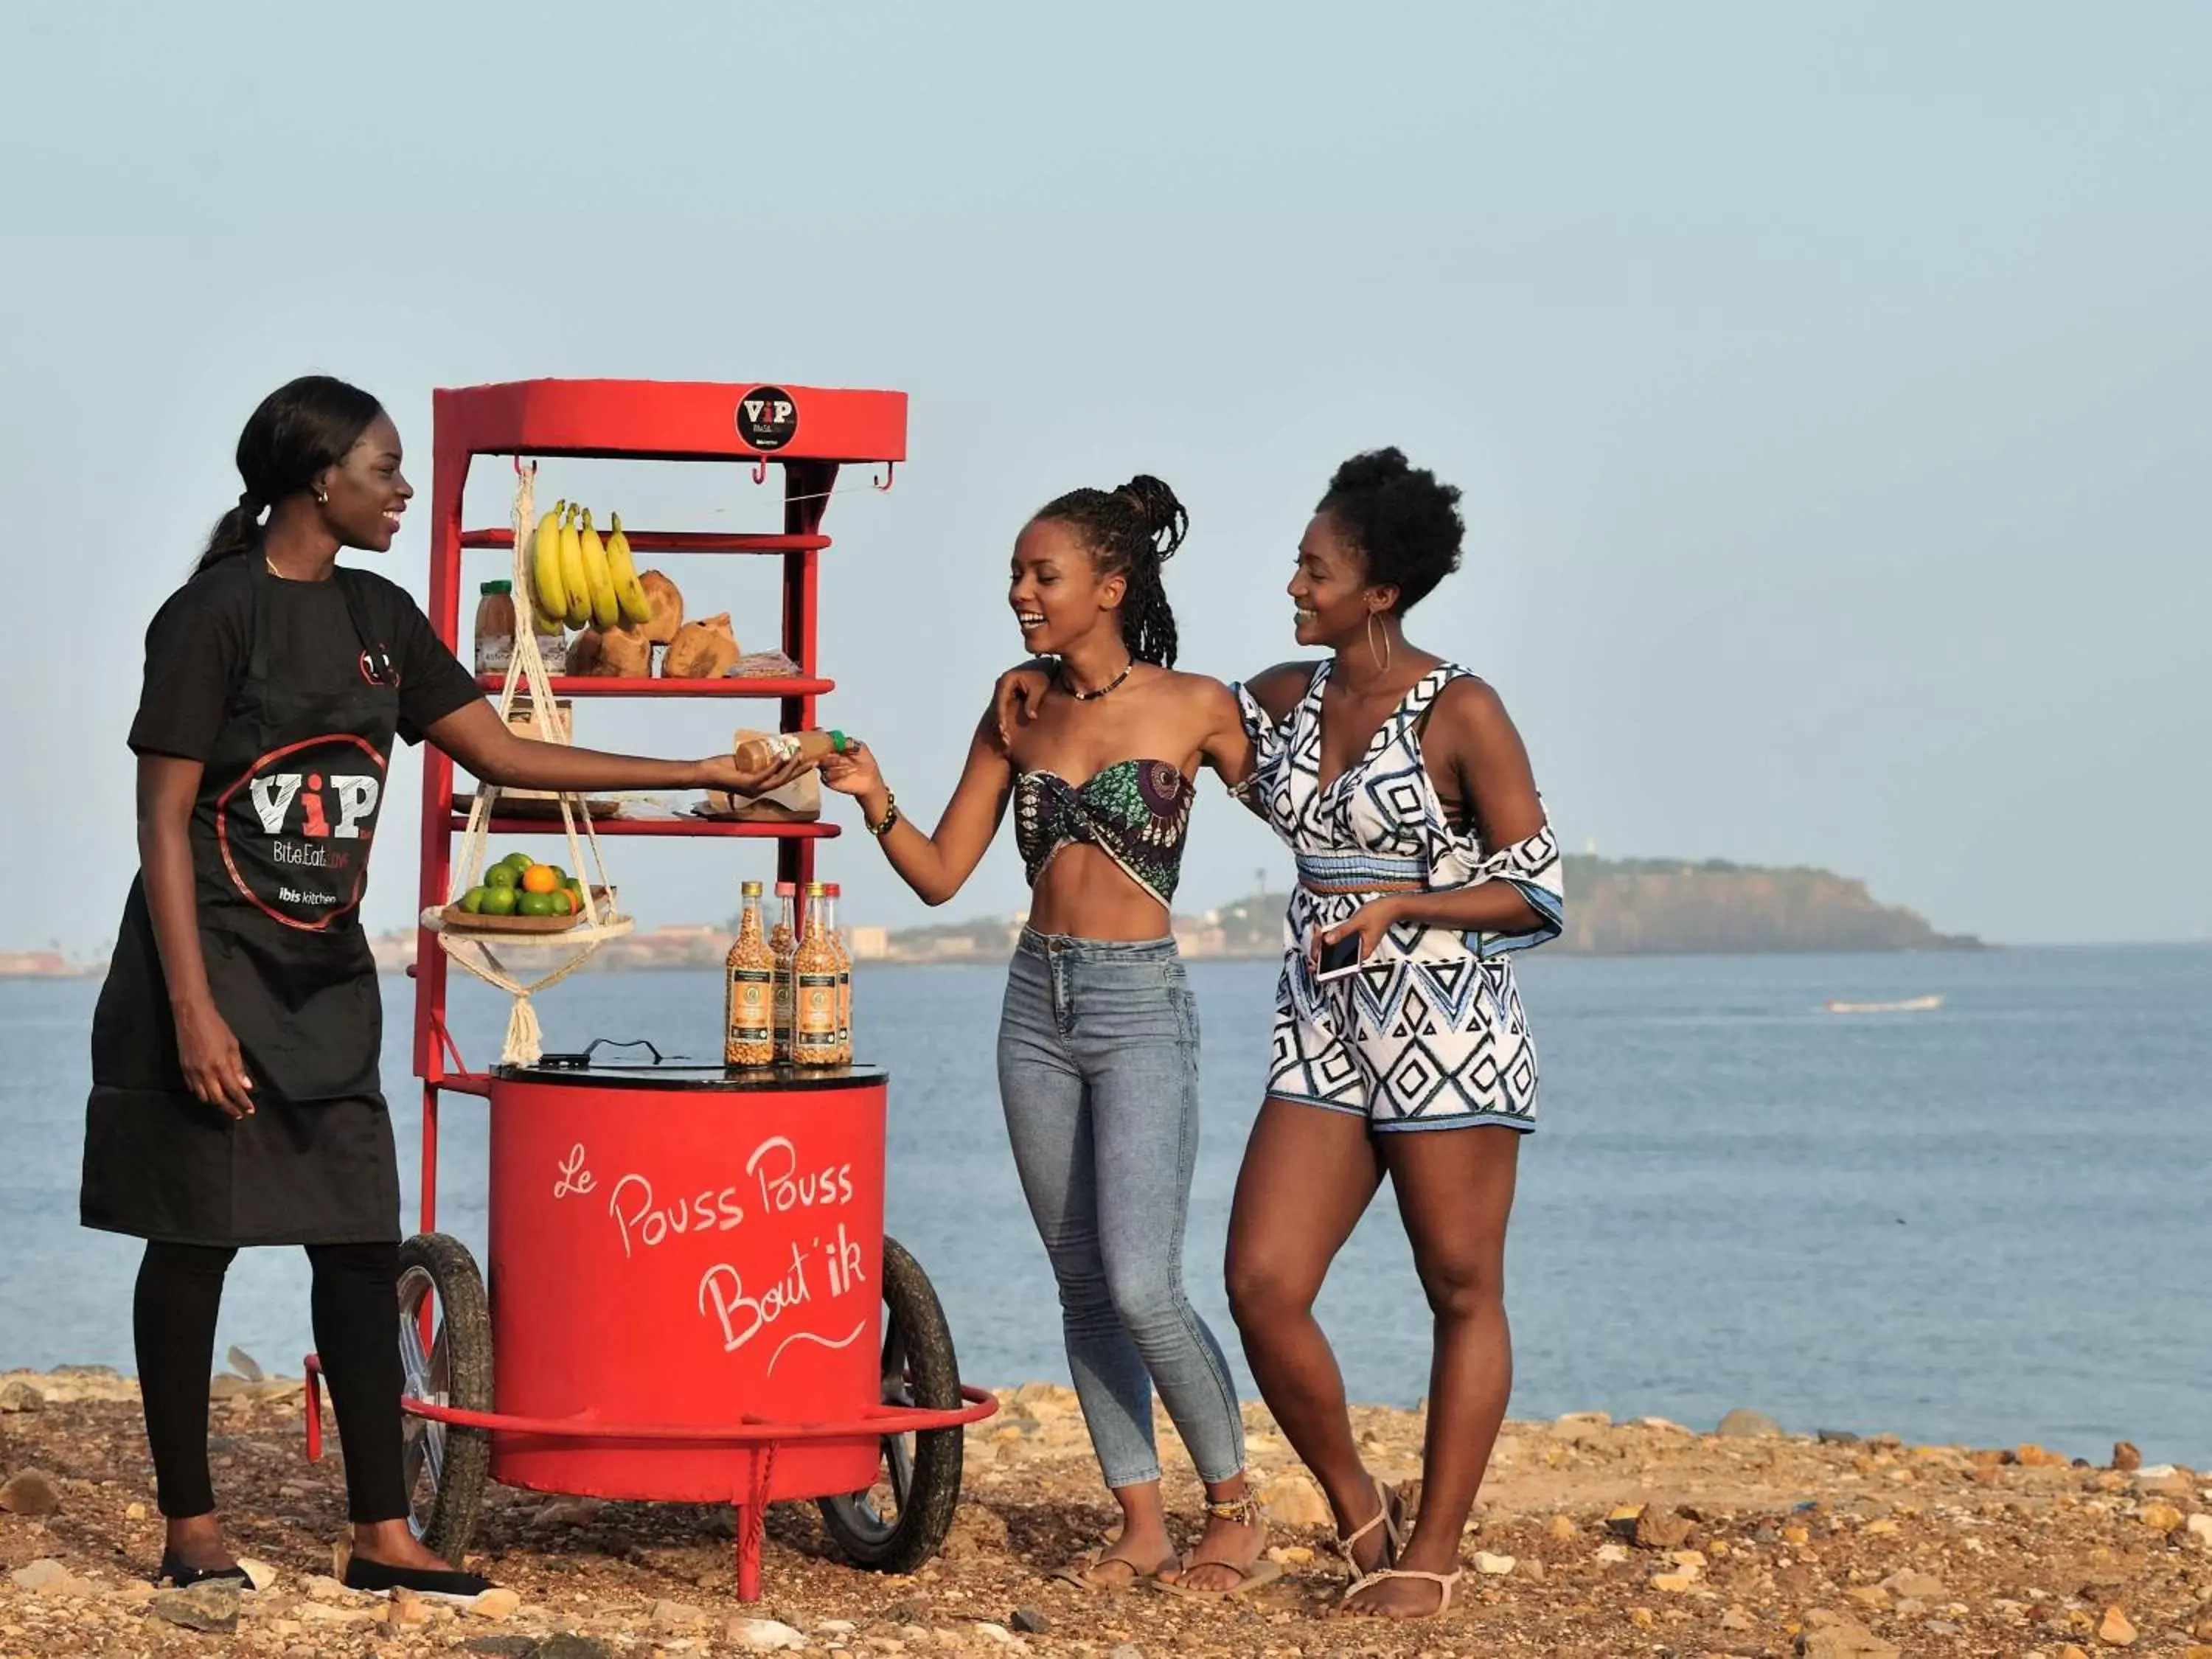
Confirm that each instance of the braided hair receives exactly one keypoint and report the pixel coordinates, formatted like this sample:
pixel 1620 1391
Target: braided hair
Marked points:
pixel 301 430
pixel 1131 532
pixel 1405 523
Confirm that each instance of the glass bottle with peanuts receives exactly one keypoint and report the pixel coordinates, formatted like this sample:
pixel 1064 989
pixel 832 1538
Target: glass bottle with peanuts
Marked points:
pixel 814 987
pixel 749 1025
pixel 782 943
pixel 844 975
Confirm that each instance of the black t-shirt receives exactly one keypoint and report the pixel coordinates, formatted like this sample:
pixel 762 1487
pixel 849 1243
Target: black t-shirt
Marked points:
pixel 201 638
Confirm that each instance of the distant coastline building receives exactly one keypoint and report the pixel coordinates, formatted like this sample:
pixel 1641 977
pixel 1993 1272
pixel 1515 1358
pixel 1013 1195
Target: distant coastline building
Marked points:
pixel 34 964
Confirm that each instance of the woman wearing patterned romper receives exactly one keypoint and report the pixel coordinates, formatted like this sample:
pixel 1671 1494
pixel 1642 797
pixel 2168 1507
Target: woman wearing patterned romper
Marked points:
pixel 1402 787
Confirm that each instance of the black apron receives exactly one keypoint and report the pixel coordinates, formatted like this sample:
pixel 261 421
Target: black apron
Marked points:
pixel 280 837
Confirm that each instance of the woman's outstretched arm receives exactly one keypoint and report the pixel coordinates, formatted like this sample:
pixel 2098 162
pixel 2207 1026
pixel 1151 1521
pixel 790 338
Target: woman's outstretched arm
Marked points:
pixel 938 864
pixel 475 736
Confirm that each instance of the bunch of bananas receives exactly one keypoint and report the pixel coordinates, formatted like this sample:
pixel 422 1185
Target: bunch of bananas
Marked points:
pixel 578 579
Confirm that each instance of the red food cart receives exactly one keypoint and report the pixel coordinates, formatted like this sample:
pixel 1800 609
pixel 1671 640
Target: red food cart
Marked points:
pixel 691 1296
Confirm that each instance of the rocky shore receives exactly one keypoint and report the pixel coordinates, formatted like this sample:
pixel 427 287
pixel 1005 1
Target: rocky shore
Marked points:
pixel 1594 1537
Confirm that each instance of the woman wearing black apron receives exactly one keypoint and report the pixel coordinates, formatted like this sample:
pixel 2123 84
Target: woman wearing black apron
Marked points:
pixel 235 1097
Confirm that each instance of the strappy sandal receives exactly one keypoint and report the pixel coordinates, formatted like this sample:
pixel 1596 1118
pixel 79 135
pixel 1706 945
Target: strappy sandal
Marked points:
pixel 1444 1581
pixel 1389 1514
pixel 1079 1572
pixel 1238 1511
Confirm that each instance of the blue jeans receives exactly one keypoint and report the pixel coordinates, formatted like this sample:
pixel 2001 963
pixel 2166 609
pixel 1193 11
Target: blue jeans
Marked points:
pixel 1098 1073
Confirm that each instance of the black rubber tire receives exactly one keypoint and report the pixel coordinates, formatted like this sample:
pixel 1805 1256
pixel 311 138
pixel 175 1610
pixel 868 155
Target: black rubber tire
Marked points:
pixel 462 1325
pixel 918 1369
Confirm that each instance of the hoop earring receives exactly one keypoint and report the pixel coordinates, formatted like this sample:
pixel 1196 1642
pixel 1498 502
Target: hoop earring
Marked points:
pixel 1382 657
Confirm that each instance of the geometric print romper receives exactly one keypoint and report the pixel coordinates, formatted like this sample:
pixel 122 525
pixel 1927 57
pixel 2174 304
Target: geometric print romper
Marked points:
pixel 1428 1032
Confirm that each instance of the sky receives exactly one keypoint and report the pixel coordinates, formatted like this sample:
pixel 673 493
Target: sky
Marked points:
pixel 1827 384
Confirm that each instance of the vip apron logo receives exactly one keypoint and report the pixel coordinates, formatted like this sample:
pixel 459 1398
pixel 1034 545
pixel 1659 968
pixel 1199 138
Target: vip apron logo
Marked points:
pixel 767 417
pixel 353 794
pixel 296 827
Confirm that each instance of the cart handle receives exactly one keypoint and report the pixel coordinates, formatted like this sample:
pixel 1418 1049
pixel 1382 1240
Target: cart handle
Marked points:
pixel 751 1431
pixel 581 1061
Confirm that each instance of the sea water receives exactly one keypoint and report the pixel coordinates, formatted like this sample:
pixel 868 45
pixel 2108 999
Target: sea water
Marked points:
pixel 1983 1224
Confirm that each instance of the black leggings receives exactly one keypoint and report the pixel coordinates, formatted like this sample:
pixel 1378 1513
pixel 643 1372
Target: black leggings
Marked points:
pixel 356 1318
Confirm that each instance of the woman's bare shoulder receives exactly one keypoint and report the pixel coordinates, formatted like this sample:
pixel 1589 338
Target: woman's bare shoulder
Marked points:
pixel 1196 687
pixel 1471 704
pixel 1278 690
pixel 1469 727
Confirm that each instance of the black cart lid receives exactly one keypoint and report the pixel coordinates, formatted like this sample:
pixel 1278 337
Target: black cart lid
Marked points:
pixel 623 1068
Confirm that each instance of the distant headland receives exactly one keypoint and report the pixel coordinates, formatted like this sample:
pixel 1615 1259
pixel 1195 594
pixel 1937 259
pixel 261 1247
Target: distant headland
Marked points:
pixel 1671 907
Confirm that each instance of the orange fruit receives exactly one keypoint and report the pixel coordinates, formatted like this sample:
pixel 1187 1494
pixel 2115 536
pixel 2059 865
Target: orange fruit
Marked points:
pixel 540 879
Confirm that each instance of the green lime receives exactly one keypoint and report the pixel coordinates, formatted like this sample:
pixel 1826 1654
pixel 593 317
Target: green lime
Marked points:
pixel 577 887
pixel 561 877
pixel 542 904
pixel 499 901
pixel 472 901
pixel 503 875
pixel 518 862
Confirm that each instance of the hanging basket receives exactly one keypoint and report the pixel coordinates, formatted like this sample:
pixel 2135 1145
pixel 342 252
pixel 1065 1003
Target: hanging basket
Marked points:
pixel 464 924
pixel 474 942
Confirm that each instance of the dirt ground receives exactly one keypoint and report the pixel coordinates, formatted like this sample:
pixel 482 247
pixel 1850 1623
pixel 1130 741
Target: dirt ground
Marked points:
pixel 1593 1538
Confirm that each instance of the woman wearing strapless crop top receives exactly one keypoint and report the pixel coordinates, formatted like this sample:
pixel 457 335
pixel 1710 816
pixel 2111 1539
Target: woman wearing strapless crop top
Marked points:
pixel 1098 1041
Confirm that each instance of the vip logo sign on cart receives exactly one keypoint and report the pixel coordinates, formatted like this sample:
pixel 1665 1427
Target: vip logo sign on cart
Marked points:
pixel 767 417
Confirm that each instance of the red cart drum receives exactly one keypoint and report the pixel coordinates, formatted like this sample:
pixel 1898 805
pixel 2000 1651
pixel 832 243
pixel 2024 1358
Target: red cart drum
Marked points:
pixel 685 1247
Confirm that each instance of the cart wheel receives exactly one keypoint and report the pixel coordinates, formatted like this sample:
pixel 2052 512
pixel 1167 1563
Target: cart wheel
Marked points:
pixel 899 1523
pixel 444 1466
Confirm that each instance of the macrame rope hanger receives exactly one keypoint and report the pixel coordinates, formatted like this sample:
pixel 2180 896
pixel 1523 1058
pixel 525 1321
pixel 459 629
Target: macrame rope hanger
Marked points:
pixel 477 951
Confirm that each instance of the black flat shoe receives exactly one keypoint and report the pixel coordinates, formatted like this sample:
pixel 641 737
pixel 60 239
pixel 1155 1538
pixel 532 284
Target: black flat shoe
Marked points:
pixel 376 1577
pixel 177 1574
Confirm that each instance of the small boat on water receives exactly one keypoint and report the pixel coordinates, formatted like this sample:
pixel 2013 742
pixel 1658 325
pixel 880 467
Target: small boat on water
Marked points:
pixel 1905 1006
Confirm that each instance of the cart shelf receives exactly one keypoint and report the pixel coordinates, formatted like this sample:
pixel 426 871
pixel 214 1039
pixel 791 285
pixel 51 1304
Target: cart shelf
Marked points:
pixel 566 685
pixel 764 830
pixel 678 541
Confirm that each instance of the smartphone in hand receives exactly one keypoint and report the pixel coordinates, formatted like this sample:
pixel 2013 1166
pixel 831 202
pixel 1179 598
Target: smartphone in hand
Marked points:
pixel 1337 959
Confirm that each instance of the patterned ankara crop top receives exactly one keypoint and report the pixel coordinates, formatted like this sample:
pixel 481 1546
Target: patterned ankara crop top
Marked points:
pixel 1135 812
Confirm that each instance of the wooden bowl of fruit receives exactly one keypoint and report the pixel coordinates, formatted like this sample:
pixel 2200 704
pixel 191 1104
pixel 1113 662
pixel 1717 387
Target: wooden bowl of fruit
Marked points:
pixel 519 894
